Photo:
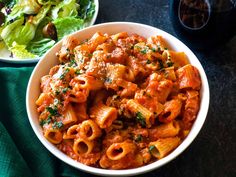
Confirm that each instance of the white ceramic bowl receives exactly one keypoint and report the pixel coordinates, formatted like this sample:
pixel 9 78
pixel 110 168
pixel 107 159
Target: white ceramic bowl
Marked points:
pixel 4 54
pixel 49 60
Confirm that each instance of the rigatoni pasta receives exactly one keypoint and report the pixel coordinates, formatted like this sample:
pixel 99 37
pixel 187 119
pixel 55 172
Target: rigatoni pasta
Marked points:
pixel 118 101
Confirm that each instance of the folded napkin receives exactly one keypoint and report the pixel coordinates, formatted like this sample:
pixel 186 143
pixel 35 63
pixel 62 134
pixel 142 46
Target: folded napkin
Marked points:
pixel 21 153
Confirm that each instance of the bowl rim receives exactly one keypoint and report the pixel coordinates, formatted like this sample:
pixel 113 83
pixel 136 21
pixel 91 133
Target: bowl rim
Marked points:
pixel 149 167
pixel 34 60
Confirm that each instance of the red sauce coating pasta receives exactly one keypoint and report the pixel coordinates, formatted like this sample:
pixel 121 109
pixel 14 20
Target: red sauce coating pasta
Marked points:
pixel 118 101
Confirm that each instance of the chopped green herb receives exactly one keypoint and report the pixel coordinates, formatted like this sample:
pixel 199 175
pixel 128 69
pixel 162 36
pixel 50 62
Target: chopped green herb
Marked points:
pixel 159 49
pixel 151 148
pixel 169 63
pixel 166 48
pixel 161 65
pixel 81 60
pixel 45 121
pixel 144 51
pixel 141 119
pixel 90 55
pixel 52 111
pixel 148 61
pixel 136 46
pixel 139 138
pixel 57 92
pixel 77 72
pixel 108 80
pixel 62 76
pixel 154 50
pixel 57 125
pixel 64 90
pixel 72 63
pixel 42 122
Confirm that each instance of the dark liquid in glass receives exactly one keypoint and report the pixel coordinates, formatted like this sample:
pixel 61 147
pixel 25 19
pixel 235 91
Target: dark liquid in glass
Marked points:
pixel 203 24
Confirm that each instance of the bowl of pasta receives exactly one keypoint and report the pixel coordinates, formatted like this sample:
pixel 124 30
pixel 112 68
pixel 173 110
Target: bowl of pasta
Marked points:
pixel 117 99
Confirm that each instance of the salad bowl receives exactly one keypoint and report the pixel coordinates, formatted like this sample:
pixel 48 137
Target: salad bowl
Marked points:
pixel 27 33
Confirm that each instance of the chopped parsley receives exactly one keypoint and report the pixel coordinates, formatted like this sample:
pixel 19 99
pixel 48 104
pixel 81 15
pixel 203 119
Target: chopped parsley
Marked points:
pixel 90 55
pixel 148 61
pixel 52 111
pixel 57 92
pixel 138 138
pixel 166 48
pixel 63 75
pixel 64 90
pixel 169 63
pixel 141 119
pixel 144 51
pixel 81 60
pixel 45 121
pixel 151 148
pixel 136 46
pixel 77 72
pixel 57 125
pixel 154 50
pixel 72 63
pixel 108 80
pixel 161 65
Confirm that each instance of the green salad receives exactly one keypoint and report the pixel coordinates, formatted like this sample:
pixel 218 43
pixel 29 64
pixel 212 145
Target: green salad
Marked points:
pixel 29 28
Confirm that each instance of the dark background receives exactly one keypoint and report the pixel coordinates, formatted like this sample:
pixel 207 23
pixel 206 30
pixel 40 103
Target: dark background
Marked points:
pixel 213 152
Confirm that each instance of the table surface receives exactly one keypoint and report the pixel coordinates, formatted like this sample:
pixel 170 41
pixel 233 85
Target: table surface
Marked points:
pixel 213 152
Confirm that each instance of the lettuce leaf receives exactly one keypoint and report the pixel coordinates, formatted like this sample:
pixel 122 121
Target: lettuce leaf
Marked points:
pixel 41 14
pixel 67 25
pixel 87 9
pixel 66 8
pixel 8 34
pixel 19 51
pixel 40 47
pixel 23 7
pixel 51 2
pixel 23 33
pixel 9 3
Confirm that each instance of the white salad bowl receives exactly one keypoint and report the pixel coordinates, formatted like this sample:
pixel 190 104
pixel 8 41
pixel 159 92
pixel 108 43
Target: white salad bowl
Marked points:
pixel 50 59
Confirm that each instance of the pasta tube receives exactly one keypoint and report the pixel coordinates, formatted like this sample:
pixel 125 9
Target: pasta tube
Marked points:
pixel 143 114
pixel 171 111
pixel 69 115
pixel 188 77
pixel 162 147
pixel 164 130
pixel 53 135
pixel 89 130
pixel 82 146
pixel 118 151
pixel 103 115
pixel 72 132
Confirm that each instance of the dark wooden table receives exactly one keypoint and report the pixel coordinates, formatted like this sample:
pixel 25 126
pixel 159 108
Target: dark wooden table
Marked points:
pixel 213 152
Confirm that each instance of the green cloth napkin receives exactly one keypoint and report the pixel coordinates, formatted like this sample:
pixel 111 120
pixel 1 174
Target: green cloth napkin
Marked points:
pixel 21 153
